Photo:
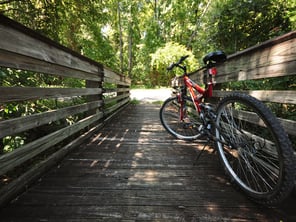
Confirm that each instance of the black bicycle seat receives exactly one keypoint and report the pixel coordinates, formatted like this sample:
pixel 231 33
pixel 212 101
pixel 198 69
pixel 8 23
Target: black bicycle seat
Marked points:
pixel 216 57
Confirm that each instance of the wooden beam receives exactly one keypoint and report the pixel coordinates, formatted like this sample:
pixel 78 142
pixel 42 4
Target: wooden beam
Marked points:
pixel 116 98
pixel 21 41
pixel 19 156
pixel 273 58
pixel 21 124
pixel 17 61
pixel 12 94
pixel 116 78
pixel 276 96
pixel 17 186
pixel 119 104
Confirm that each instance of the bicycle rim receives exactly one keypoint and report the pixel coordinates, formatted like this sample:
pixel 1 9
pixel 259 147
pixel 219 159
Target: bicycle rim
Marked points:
pixel 186 128
pixel 255 151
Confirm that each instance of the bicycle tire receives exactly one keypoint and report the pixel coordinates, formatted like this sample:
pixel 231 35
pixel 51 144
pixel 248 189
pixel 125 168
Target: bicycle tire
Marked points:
pixel 186 129
pixel 259 159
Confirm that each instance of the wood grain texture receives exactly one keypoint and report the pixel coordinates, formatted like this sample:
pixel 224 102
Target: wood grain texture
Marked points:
pixel 13 94
pixel 30 150
pixel 133 170
pixel 16 125
pixel 21 44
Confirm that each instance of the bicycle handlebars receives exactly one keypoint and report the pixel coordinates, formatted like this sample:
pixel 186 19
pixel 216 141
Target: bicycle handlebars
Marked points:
pixel 178 63
pixel 182 59
pixel 209 60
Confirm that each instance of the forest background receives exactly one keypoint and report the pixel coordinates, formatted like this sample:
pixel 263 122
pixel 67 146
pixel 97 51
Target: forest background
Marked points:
pixel 141 38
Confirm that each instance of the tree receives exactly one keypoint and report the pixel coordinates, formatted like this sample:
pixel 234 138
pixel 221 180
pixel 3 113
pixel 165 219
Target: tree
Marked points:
pixel 254 22
pixel 163 57
pixel 121 33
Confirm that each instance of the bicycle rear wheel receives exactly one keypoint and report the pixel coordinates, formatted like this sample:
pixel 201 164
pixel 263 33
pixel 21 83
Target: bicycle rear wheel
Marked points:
pixel 254 149
pixel 186 128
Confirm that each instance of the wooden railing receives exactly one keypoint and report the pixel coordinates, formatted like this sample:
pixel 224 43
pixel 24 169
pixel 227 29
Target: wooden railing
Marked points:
pixel 273 58
pixel 105 93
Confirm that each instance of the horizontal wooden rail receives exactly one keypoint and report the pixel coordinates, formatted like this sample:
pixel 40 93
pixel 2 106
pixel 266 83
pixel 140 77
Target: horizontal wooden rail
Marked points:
pixel 26 47
pixel 13 94
pixel 273 58
pixel 30 150
pixel 21 124
pixel 113 77
pixel 276 96
pixel 271 61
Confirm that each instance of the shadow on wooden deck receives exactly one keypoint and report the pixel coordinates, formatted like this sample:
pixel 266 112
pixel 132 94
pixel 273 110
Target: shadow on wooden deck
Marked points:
pixel 132 170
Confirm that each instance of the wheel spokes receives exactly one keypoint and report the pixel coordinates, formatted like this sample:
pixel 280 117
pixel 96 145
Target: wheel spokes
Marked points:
pixel 252 157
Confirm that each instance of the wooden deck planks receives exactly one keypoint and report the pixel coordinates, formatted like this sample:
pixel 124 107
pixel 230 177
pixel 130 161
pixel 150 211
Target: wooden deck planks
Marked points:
pixel 132 170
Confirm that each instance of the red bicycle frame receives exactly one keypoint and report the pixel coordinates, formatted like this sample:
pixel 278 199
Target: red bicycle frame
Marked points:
pixel 204 92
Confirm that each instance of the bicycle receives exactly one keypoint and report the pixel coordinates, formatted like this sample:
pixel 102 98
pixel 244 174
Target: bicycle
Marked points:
pixel 254 149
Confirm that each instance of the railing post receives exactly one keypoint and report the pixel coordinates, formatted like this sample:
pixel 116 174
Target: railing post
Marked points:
pixel 96 84
pixel 119 87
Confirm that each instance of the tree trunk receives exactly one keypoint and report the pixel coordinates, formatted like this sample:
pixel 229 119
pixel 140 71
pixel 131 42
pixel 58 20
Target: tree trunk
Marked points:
pixel 120 38
pixel 130 50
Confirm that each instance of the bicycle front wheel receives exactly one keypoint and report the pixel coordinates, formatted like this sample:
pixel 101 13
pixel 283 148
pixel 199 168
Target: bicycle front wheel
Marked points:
pixel 185 125
pixel 254 149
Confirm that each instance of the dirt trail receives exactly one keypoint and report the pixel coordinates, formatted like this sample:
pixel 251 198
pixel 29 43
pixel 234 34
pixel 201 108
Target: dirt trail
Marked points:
pixel 150 95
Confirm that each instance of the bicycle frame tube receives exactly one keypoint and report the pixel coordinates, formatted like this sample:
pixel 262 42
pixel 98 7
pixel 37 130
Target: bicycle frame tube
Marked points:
pixel 190 85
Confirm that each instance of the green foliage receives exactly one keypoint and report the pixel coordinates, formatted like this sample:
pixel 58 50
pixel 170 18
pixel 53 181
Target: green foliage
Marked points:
pixel 240 24
pixel 135 102
pixel 286 111
pixel 280 83
pixel 13 78
pixel 14 110
pixel 122 34
pixel 12 142
pixel 163 57
pixel 141 38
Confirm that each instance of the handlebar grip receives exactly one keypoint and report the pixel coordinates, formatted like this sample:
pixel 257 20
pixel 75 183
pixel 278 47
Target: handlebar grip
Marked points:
pixel 178 63
pixel 182 59
pixel 171 67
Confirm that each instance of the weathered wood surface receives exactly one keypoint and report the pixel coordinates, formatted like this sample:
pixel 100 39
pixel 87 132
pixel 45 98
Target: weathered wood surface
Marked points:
pixel 132 170
pixel 21 124
pixel 273 58
pixel 13 94
pixel 276 96
pixel 116 78
pixel 28 151
pixel 24 49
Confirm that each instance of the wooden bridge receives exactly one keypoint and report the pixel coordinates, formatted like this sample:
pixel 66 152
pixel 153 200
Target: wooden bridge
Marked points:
pixel 132 170
pixel 118 163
